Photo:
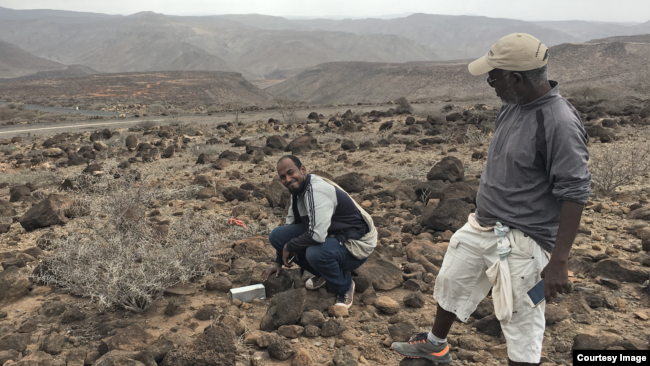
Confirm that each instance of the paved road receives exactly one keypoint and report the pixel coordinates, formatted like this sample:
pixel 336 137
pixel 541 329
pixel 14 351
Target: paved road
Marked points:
pixel 51 128
pixel 82 112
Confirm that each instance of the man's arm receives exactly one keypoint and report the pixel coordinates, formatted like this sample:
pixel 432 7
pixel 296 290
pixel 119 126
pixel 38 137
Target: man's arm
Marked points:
pixel 320 208
pixel 569 173
pixel 556 272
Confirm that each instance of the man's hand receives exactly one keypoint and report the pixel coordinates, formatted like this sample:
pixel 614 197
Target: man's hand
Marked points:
pixel 275 268
pixel 285 257
pixel 556 279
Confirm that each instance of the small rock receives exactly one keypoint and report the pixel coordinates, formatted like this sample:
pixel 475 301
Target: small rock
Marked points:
pixel 332 327
pixel 402 332
pixel 301 358
pixel 338 311
pixel 386 304
pixel 280 348
pixel 414 300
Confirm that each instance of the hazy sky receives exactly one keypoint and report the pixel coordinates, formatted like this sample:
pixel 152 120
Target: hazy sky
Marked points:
pixel 598 10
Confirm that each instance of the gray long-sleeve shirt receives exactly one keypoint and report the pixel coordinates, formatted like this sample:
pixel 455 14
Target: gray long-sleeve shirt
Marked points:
pixel 537 159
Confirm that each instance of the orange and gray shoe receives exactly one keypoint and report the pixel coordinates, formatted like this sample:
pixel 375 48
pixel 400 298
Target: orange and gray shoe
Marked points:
pixel 420 347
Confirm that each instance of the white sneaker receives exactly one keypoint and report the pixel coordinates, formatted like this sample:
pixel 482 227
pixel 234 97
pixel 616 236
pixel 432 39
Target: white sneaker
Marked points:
pixel 314 283
pixel 346 298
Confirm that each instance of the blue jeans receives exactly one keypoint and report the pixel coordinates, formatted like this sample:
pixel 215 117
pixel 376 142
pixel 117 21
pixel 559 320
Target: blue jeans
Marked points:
pixel 329 260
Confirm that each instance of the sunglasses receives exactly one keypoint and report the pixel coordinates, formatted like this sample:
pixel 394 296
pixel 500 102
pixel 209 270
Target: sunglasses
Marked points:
pixel 491 81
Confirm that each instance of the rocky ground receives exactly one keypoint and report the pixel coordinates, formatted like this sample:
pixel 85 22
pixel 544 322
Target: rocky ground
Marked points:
pixel 417 177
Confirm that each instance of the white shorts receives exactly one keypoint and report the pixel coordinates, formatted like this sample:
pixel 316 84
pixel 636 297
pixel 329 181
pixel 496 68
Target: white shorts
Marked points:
pixel 462 284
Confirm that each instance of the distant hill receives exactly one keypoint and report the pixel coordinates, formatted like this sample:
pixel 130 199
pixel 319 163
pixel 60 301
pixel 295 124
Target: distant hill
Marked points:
pixel 71 71
pixel 152 42
pixel 15 62
pixel 350 82
pixel 641 38
pixel 369 82
pixel 451 37
pixel 173 87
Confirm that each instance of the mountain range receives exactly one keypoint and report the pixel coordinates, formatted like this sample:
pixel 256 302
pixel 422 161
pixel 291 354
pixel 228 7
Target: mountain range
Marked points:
pixel 263 47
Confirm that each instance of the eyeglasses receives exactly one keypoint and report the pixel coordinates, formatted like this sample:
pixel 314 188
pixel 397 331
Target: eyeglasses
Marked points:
pixel 491 81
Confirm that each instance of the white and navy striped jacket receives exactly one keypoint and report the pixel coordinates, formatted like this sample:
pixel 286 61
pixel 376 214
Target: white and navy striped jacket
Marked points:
pixel 325 211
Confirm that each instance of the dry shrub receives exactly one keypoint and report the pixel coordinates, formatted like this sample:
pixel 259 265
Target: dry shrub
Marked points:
pixel 288 109
pixel 155 108
pixel 619 164
pixel 116 258
pixel 475 137
pixel 403 105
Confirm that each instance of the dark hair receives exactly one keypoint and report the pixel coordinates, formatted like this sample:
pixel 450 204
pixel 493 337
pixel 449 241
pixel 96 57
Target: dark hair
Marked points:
pixel 293 158
pixel 535 76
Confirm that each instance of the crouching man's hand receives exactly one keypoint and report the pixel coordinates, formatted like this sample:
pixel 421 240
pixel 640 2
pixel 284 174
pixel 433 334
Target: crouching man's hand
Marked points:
pixel 275 268
pixel 285 257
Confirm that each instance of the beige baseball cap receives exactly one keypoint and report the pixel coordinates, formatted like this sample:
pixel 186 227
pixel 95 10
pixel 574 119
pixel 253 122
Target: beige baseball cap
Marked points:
pixel 514 52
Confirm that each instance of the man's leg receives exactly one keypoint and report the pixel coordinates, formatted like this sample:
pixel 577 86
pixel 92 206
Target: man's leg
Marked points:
pixel 443 322
pixel 524 332
pixel 281 235
pixel 333 261
pixel 460 285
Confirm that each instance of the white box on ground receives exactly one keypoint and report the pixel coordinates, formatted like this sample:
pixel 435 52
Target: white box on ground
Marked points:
pixel 248 293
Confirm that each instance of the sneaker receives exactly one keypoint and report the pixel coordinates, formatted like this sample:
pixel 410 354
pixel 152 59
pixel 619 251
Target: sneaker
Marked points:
pixel 314 283
pixel 346 298
pixel 421 347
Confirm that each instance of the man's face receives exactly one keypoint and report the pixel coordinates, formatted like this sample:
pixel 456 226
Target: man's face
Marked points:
pixel 504 86
pixel 290 176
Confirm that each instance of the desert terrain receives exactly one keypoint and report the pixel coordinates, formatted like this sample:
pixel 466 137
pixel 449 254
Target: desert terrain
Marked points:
pixel 122 233
pixel 65 196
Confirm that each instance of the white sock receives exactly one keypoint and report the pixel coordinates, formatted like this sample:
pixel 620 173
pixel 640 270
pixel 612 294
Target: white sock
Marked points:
pixel 435 340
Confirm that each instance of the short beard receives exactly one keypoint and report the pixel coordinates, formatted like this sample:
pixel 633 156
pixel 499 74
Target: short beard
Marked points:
pixel 297 191
pixel 510 97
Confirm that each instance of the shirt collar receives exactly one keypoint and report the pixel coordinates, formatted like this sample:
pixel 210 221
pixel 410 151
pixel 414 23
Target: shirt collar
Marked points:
pixel 547 98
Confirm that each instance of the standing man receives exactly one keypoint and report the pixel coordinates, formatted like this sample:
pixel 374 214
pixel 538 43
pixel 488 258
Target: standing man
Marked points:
pixel 530 200
pixel 326 232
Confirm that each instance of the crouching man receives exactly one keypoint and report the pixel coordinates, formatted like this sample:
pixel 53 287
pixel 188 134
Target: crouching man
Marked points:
pixel 326 233
pixel 530 200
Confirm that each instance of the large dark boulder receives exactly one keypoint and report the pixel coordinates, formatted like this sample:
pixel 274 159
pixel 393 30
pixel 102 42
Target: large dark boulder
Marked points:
pixel 13 285
pixel 460 191
pixel 449 168
pixel 48 212
pixel 382 272
pixel 235 193
pixel 430 189
pixel 621 270
pixel 285 309
pixel 448 215
pixel 277 195
pixel 302 144
pixel 349 145
pixel 276 142
pixel 351 182
pixel 275 285
pixel 16 193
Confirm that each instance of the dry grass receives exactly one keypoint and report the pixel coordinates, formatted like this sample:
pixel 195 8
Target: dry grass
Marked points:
pixel 118 259
pixel 618 164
